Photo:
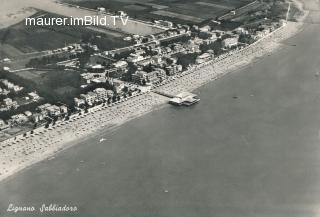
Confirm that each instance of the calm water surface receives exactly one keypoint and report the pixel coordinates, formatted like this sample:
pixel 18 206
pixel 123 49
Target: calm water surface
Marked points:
pixel 254 155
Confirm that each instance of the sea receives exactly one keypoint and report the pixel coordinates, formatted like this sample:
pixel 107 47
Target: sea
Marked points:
pixel 250 148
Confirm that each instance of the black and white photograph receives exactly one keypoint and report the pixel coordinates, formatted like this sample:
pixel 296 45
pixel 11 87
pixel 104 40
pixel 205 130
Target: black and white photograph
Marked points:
pixel 160 108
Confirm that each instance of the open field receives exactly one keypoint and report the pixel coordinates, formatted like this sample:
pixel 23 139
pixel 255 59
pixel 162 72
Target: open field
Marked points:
pixel 8 17
pixel 177 11
pixel 9 51
pixel 19 38
pixel 214 5
pixel 179 16
pixel 53 85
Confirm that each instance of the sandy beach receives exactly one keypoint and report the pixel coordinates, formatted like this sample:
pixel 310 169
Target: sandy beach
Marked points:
pixel 18 154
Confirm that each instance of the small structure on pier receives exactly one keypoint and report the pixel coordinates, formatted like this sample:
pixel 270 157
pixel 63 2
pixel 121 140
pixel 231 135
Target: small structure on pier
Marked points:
pixel 184 99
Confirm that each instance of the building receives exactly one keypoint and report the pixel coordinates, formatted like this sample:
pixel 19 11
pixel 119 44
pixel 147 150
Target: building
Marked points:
pixel 203 58
pixel 78 102
pixel 121 13
pixel 48 109
pixel 173 69
pixel 43 108
pixel 89 98
pixel 164 23
pixel 102 93
pixel 18 119
pixel 116 72
pixel 17 88
pixel 192 47
pixel 4 91
pixel 206 28
pixel 152 77
pixel 28 113
pixel 140 77
pixel 63 109
pixel 120 64
pixel 9 103
pixel 7 83
pixel 3 125
pixel 11 85
pixel 133 58
pixel 160 73
pixel 145 62
pixel 118 85
pixel 34 96
pixel 99 80
pixel 101 9
pixel 241 31
pixel 37 117
pixel 53 110
pixel 230 42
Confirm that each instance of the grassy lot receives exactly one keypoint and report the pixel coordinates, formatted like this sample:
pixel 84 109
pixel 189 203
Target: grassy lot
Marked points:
pixel 53 85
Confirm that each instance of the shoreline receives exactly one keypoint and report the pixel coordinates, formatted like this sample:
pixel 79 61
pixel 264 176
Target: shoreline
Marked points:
pixel 45 143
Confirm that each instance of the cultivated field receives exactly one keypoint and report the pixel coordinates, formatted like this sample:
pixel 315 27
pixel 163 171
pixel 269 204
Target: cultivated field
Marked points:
pixel 181 11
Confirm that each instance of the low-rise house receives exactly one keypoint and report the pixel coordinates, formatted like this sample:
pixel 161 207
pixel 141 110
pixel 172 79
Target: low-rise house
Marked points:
pixel 145 62
pixel 181 31
pixel 139 51
pixel 96 66
pixel 133 58
pixel 37 117
pixel 160 73
pixel 34 96
pixel 48 109
pixel 241 31
pixel 173 69
pixel 79 102
pixel 120 64
pixel 101 9
pixel 7 83
pixel 63 109
pixel 18 119
pixel 118 85
pixel 116 72
pixel 153 78
pixel 157 59
pixel 192 47
pixel 54 110
pixel 164 23
pixel 8 103
pixel 230 42
pixel 206 28
pixel 4 91
pixel 3 125
pixel 43 108
pixel 99 80
pixel 17 88
pixel 203 58
pixel 139 77
pixel 28 113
